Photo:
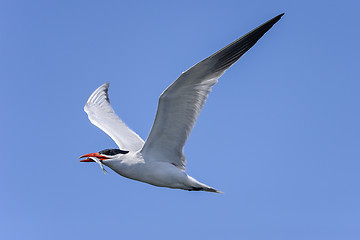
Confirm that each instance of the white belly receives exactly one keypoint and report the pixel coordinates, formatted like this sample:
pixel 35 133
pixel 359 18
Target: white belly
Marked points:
pixel 160 174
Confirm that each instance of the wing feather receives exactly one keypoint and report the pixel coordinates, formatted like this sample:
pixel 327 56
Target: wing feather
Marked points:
pixel 180 104
pixel 102 115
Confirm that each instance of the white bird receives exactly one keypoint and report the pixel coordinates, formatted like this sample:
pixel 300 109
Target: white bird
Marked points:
pixel 160 160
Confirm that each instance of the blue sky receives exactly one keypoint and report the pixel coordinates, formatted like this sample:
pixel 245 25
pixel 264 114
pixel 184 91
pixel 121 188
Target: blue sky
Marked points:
pixel 279 134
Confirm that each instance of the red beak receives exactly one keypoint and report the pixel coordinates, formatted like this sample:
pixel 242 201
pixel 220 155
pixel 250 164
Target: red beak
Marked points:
pixel 100 157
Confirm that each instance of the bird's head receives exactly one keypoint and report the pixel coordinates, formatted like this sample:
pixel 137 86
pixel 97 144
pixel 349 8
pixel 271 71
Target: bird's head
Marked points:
pixel 103 155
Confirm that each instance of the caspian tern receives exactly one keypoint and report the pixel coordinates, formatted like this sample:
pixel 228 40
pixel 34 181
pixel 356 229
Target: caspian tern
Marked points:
pixel 160 160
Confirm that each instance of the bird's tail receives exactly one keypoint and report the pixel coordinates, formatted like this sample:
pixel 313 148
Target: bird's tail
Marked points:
pixel 210 189
pixel 198 186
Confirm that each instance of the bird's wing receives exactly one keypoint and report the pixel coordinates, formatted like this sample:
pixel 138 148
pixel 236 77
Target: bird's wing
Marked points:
pixel 102 115
pixel 181 103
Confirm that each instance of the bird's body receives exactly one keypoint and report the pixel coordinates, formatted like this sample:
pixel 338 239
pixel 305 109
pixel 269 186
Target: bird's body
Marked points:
pixel 160 160
pixel 157 173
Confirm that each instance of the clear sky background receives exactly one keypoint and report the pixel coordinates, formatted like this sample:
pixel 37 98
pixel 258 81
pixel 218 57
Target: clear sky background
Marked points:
pixel 279 134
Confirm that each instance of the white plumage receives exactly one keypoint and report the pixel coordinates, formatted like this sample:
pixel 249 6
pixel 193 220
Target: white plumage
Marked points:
pixel 160 160
pixel 102 115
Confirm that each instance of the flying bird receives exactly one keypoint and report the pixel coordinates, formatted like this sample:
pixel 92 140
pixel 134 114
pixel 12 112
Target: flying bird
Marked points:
pixel 160 160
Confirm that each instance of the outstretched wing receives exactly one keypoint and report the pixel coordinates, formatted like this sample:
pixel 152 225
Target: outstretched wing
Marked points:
pixel 181 103
pixel 102 115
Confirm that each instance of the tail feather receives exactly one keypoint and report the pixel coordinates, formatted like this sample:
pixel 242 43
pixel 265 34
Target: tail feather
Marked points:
pixel 206 189
pixel 212 190
pixel 198 186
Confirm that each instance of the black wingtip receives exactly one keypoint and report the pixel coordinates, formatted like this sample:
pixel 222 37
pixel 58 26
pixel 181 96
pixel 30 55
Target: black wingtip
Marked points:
pixel 275 19
pixel 232 52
